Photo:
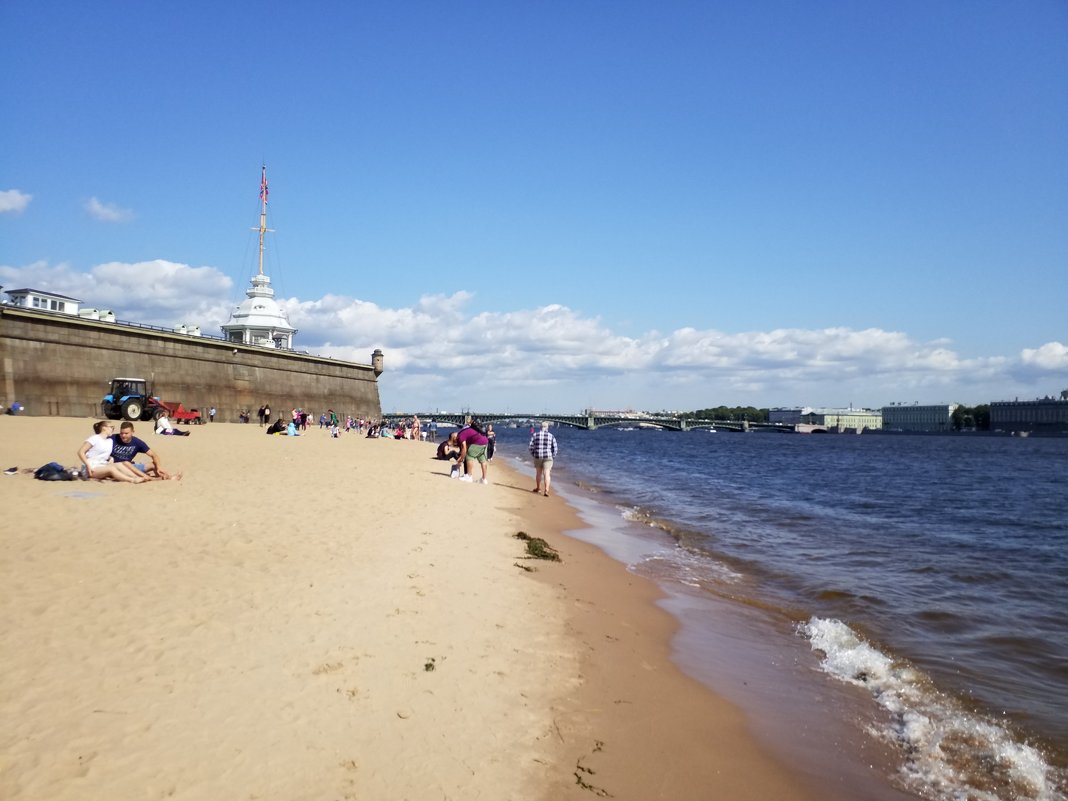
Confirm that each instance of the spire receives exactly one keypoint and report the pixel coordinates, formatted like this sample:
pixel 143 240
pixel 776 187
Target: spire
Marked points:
pixel 263 229
pixel 260 320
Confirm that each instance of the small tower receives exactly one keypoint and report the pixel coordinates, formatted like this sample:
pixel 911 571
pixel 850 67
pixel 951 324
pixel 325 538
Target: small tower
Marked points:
pixel 260 320
pixel 376 362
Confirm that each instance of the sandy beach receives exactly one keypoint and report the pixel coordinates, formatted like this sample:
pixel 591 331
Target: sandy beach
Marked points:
pixel 317 618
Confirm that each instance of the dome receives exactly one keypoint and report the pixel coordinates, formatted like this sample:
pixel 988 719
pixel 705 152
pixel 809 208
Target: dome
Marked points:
pixel 259 319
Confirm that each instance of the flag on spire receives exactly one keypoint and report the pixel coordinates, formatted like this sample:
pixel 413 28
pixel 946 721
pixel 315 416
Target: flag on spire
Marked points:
pixel 263 186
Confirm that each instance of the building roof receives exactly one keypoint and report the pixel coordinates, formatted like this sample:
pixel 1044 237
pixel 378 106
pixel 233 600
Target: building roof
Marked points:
pixel 40 292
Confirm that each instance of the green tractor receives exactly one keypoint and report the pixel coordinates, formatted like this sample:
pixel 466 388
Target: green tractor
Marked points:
pixel 128 399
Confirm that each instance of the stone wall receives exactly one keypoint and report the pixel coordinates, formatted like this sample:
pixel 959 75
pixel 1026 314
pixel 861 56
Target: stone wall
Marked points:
pixel 59 365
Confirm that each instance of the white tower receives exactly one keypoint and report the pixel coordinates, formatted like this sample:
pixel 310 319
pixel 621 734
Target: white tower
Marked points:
pixel 259 320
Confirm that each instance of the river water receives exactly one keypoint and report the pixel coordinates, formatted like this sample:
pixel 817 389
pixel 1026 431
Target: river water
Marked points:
pixel 926 574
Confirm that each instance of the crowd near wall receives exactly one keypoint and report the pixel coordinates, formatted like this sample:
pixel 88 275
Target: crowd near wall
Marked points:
pixel 59 365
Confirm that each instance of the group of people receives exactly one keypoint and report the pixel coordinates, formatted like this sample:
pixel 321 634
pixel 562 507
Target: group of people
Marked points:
pixel 106 454
pixel 474 444
pixel 299 419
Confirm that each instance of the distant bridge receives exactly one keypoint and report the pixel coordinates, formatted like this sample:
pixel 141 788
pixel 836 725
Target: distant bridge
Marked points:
pixel 590 421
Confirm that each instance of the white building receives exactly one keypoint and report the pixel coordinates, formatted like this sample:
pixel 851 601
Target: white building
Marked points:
pixel 844 419
pixel 259 320
pixel 48 301
pixel 937 417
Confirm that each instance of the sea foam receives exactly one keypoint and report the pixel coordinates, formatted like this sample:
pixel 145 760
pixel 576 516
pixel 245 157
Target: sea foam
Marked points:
pixel 948 752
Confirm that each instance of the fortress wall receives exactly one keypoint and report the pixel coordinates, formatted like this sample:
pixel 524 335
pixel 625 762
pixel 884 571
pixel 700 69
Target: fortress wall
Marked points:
pixel 59 365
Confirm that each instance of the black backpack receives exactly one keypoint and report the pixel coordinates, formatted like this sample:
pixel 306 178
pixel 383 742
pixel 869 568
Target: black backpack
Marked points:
pixel 53 471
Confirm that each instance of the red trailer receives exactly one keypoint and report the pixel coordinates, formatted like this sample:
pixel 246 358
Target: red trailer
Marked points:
pixel 178 413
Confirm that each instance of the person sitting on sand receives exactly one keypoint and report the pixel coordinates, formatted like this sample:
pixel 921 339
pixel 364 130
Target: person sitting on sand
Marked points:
pixel 449 449
pixel 163 426
pixel 277 427
pixel 95 454
pixel 125 446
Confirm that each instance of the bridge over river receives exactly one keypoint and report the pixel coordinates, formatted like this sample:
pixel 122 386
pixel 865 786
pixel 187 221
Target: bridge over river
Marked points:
pixel 592 420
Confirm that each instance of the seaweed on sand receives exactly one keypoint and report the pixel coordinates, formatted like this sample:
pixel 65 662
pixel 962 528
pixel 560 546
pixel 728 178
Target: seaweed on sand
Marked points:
pixel 537 548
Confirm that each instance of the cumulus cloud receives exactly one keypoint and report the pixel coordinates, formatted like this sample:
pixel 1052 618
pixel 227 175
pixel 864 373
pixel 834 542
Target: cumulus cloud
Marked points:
pixel 107 212
pixel 441 354
pixel 1051 356
pixel 12 201
pixel 156 292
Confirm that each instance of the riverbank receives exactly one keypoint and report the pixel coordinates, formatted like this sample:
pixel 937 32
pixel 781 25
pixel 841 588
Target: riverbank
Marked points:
pixel 318 618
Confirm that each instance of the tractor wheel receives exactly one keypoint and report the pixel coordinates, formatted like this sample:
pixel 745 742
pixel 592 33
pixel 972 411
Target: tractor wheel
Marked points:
pixel 131 410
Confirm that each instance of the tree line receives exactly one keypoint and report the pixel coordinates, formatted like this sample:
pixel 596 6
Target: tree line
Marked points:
pixel 750 413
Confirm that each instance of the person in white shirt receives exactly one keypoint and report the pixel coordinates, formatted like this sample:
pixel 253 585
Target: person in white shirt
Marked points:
pixel 95 454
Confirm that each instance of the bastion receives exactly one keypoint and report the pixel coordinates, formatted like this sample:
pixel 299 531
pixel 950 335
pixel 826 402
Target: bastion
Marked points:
pixel 56 364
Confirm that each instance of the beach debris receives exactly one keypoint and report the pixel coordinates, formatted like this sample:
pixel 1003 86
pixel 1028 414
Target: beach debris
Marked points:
pixel 581 771
pixel 538 548
pixel 528 568
pixel 431 664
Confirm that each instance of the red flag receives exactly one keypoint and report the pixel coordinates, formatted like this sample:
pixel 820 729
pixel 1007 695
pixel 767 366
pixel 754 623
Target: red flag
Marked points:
pixel 263 187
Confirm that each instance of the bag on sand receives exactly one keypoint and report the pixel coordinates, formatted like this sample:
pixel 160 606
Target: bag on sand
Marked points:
pixel 52 471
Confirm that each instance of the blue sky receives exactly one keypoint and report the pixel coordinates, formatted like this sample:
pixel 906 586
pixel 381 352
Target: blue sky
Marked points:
pixel 548 206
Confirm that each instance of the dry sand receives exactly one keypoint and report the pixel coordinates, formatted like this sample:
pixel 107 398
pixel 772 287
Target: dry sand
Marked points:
pixel 311 618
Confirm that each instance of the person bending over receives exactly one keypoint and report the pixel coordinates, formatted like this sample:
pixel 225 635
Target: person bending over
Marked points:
pixel 473 444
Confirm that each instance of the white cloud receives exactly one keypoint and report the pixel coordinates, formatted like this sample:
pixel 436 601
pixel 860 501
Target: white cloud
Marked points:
pixel 1051 356
pixel 440 354
pixel 157 292
pixel 107 212
pixel 12 201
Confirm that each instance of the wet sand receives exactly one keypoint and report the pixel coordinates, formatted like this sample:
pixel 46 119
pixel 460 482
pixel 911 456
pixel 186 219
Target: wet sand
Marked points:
pixel 318 618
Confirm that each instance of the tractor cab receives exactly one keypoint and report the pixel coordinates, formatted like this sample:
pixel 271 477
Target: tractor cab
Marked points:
pixel 127 399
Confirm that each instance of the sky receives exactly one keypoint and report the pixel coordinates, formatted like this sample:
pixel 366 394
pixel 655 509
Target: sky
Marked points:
pixel 556 206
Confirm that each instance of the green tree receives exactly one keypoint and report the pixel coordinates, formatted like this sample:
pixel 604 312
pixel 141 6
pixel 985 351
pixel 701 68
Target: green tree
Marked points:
pixel 750 413
pixel 972 418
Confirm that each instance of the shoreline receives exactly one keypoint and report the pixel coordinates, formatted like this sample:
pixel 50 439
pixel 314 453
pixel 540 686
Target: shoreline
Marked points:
pixel 665 716
pixel 300 618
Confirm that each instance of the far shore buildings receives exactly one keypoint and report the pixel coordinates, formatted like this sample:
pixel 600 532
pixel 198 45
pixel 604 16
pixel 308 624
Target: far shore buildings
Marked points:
pixel 844 419
pixel 931 418
pixel 1046 415
pixel 830 419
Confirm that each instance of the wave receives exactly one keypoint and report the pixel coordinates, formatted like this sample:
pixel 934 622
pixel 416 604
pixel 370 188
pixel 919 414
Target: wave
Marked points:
pixel 948 752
